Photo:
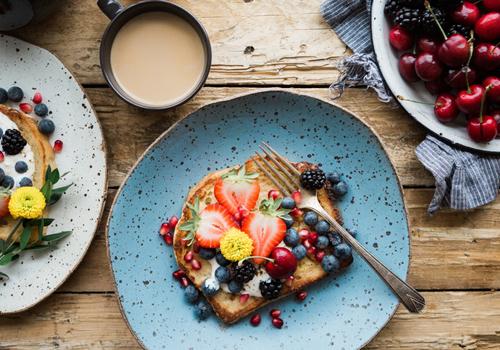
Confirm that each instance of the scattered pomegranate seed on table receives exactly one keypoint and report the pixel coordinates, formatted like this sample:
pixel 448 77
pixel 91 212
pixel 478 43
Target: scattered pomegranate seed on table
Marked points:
pixel 37 98
pixel 277 322
pixel 26 107
pixel 173 221
pixel 178 274
pixel 168 238
pixel 302 295
pixel 184 282
pixel 275 313
pixel 58 146
pixel 255 320
pixel 2 156
pixel 164 228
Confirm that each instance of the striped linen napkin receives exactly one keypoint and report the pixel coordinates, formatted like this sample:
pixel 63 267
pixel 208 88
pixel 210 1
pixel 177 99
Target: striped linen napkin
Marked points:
pixel 464 180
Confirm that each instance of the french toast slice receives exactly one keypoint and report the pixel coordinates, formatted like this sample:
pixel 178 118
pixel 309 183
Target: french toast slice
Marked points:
pixel 228 306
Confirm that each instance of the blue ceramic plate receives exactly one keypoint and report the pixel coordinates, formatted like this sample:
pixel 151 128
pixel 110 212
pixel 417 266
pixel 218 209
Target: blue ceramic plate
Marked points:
pixel 341 312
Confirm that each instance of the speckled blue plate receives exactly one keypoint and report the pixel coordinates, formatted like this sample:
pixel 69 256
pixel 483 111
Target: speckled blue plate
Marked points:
pixel 341 312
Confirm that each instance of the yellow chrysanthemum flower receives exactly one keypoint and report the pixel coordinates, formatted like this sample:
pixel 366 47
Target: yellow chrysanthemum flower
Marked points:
pixel 235 245
pixel 26 203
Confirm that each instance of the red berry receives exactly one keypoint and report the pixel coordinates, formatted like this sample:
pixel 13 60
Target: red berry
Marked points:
pixel 488 27
pixel 313 237
pixel 460 78
pixel 484 131
pixel 188 257
pixel 319 256
pixel 428 67
pixel 406 66
pixel 496 115
pixel 487 56
pixel 283 265
pixel 289 281
pixel 195 264
pixel 311 250
pixel 467 14
pixel 196 247
pixel 470 101
pixel 436 87
pixel 275 313
pixel 168 238
pixel 302 295
pixel 445 108
pixel 2 156
pixel 296 212
pixel 428 45
pixel 277 322
pixel 492 5
pixel 493 94
pixel 37 98
pixel 255 320
pixel 244 298
pixel 297 197
pixel 173 221
pixel 400 38
pixel 273 194
pixel 58 146
pixel 178 274
pixel 164 228
pixel 307 243
pixel 303 234
pixel 454 51
pixel 184 282
pixel 26 107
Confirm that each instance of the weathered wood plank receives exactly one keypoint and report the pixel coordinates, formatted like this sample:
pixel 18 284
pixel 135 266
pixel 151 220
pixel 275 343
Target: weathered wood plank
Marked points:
pixel 451 321
pixel 399 132
pixel 449 251
pixel 254 42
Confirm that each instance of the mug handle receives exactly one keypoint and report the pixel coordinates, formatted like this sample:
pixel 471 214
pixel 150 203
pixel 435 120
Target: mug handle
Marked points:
pixel 110 8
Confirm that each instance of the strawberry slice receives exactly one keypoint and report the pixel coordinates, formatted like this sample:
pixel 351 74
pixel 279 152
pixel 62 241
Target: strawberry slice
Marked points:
pixel 266 228
pixel 237 189
pixel 208 225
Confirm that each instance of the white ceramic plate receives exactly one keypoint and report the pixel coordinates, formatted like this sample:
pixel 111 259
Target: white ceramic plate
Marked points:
pixel 36 275
pixel 388 62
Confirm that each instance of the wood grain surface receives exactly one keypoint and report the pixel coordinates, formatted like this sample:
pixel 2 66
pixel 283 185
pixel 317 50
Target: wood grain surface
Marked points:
pixel 260 44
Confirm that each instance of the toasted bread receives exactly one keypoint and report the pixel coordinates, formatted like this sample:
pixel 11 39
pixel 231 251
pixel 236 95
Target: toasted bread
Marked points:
pixel 42 153
pixel 228 306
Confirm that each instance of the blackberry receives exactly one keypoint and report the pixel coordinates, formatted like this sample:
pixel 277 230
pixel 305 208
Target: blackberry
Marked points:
pixel 270 289
pixel 245 272
pixel 313 179
pixel 408 18
pixel 428 24
pixel 13 142
pixel 391 8
pixel 446 4
pixel 458 29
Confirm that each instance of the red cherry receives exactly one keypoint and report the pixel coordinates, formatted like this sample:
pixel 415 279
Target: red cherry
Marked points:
pixel 255 320
pixel 488 27
pixel 445 108
pixel 470 101
pixel 493 94
pixel 486 56
pixel 436 87
pixel 275 313
pixel 302 295
pixel 466 14
pixel 406 67
pixel 454 51
pixel 496 116
pixel 58 146
pixel 427 67
pixel 482 131
pixel 428 45
pixel 273 194
pixel 460 78
pixel 400 38
pixel 492 5
pixel 188 257
pixel 284 264
pixel 37 98
pixel 277 322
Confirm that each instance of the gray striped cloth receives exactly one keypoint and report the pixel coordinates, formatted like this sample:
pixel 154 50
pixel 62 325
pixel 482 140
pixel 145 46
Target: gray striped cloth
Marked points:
pixel 464 180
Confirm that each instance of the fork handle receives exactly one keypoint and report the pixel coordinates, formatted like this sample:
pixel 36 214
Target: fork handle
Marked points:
pixel 410 298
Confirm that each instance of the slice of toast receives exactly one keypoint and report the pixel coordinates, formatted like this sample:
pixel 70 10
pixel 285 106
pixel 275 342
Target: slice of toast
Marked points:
pixel 228 306
pixel 42 152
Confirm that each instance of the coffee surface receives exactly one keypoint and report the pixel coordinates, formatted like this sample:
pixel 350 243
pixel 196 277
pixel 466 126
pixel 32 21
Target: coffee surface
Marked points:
pixel 157 58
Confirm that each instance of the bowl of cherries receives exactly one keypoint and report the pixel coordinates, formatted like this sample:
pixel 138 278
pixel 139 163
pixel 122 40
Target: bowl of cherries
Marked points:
pixel 441 60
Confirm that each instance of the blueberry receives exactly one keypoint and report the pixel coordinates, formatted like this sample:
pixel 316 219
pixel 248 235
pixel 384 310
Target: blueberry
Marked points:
pixel 221 260
pixel 322 227
pixel 46 126
pixel 353 233
pixel 335 238
pixel 21 167
pixel 299 251
pixel 333 177
pixel 222 274
pixel 311 218
pixel 322 242
pixel 234 286
pixel 202 310
pixel 2 175
pixel 288 220
pixel 15 94
pixel 26 182
pixel 191 294
pixel 206 253
pixel 41 110
pixel 342 251
pixel 8 182
pixel 1 133
pixel 340 189
pixel 292 237
pixel 210 287
pixel 330 263
pixel 3 96
pixel 288 203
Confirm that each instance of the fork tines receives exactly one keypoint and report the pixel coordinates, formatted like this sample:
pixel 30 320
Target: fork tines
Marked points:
pixel 278 169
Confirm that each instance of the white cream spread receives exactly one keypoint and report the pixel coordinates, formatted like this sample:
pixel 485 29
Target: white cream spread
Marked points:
pixel 9 162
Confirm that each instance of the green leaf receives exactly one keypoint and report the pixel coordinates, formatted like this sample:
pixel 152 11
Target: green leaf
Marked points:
pixel 11 248
pixel 54 176
pixel 8 258
pixel 38 247
pixel 25 237
pixel 48 172
pixel 4 276
pixel 56 236
pixel 61 190
pixel 36 222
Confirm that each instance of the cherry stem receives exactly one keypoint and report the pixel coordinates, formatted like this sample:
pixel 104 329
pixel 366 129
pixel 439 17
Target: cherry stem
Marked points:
pixel 429 8
pixel 471 53
pixel 420 102
pixel 483 99
pixel 257 257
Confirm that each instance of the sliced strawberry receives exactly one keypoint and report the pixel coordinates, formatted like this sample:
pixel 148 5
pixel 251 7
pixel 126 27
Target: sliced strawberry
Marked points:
pixel 237 189
pixel 215 220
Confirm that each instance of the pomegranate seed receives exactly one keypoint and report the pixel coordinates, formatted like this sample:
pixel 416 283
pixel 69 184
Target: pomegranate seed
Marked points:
pixel 296 212
pixel 178 274
pixel 303 234
pixel 164 229
pixel 275 313
pixel 196 248
pixel 313 237
pixel 37 98
pixel 307 243
pixel 195 264
pixel 244 298
pixel 273 194
pixel 188 257
pixel 173 221
pixel 302 295
pixel 311 250
pixel 319 256
pixel 26 107
pixel 297 197
pixel 277 322
pixel 289 281
pixel 58 146
pixel 2 157
pixel 168 238
pixel 255 320
pixel 184 282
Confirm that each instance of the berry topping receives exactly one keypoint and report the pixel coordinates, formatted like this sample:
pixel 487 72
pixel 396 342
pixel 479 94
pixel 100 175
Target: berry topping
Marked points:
pixel 13 142
pixel 7 182
pixel 255 320
pixel 339 189
pixel 15 94
pixel 58 146
pixel 21 167
pixel 25 182
pixel 244 272
pixel 273 194
pixel 288 203
pixel 196 264
pixel 41 110
pixel 288 219
pixel 37 98
pixel 221 260
pixel 322 242
pixel 313 179
pixel 406 66
pixel 408 18
pixel 234 286
pixel 275 313
pixel 203 310
pixel 322 227
pixel 222 274
pixel 191 294
pixel 292 237
pixel 206 253
pixel 302 295
pixel 400 38
pixel 343 251
pixel 46 126
pixel 283 263
pixel 299 251
pixel 311 218
pixel 330 263
pixel 271 288
pixel 210 287
pixel 26 107
pixel 3 96
pixel 277 322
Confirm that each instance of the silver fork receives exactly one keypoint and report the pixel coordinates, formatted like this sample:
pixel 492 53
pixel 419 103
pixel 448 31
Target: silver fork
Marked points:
pixel 287 178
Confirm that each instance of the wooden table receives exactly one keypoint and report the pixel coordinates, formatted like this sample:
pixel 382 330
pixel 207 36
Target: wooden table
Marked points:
pixel 259 44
